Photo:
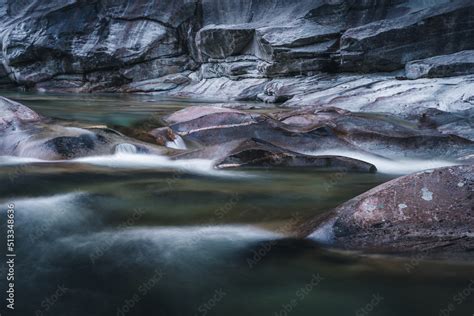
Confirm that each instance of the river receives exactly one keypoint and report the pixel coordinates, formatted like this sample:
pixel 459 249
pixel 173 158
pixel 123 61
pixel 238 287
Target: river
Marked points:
pixel 134 235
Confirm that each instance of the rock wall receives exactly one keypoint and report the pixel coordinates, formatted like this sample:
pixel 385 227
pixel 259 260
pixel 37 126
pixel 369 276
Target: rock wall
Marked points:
pixel 164 45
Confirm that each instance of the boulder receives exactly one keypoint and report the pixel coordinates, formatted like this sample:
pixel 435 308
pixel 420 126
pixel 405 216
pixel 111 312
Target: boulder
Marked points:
pixel 430 211
pixel 13 113
pixel 257 153
pixel 217 126
pixel 24 133
pixel 312 130
pixel 461 63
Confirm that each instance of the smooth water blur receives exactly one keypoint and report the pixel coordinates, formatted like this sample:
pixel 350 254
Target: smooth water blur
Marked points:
pixel 138 235
pixel 110 109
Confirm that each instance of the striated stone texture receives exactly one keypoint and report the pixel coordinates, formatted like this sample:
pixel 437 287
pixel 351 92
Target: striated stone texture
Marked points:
pixel 237 45
pixel 388 45
pixel 457 64
pixel 314 131
pixel 430 211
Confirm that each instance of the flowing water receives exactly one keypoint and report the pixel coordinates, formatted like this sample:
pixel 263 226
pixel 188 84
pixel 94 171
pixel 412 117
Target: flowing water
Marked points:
pixel 130 234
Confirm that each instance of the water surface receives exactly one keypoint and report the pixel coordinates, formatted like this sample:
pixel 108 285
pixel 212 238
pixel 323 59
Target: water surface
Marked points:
pixel 134 235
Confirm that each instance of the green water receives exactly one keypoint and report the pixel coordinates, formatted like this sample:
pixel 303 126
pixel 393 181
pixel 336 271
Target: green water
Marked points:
pixel 135 239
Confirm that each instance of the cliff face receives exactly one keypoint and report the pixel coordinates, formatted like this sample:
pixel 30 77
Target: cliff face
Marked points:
pixel 176 46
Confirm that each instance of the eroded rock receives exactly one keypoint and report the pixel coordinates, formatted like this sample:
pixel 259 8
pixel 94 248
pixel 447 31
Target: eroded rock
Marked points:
pixel 256 153
pixel 201 48
pixel 457 64
pixel 311 130
pixel 26 134
pixel 430 211
pixel 13 113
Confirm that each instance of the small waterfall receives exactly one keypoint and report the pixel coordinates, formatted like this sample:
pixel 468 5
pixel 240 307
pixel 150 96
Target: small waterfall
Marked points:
pixel 177 143
pixel 125 148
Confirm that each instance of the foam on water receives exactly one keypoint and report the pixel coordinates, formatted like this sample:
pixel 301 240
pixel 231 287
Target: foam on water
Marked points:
pixel 126 158
pixel 126 148
pixel 172 241
pixel 389 166
pixel 47 216
pixel 14 161
pixel 143 161
pixel 177 143
pixel 324 234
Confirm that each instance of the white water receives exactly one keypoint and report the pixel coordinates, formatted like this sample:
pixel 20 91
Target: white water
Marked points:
pixel 125 149
pixel 389 166
pixel 177 143
pixel 143 161
pixel 324 234
pixel 129 160
pixel 174 244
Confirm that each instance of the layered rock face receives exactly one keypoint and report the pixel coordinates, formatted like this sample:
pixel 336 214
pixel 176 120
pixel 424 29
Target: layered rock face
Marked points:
pixel 196 48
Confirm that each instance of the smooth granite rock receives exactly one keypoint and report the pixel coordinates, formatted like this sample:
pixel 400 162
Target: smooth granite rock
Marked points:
pixel 315 130
pixel 24 133
pixel 257 153
pixel 430 211
pixel 13 114
pixel 226 48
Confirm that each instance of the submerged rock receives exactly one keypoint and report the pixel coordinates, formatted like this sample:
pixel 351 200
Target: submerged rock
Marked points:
pixel 431 211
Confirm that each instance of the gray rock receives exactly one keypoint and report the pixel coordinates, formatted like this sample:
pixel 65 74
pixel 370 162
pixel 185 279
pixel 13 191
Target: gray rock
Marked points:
pixel 232 68
pixel 221 41
pixel 457 64
pixel 429 211
pixel 385 93
pixel 26 134
pixel 13 114
pixel 233 47
pixel 164 83
pixel 257 153
pixel 454 123
pixel 389 44
pixel 317 129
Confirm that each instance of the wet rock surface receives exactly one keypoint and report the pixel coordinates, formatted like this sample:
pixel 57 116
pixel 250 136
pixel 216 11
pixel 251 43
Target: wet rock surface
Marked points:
pixel 317 129
pixel 430 211
pixel 13 113
pixel 255 153
pixel 24 133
